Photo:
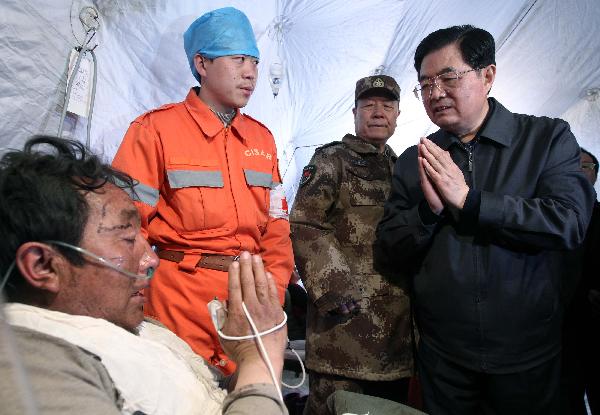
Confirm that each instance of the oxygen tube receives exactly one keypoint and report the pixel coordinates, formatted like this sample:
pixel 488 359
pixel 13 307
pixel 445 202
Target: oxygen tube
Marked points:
pixel 218 313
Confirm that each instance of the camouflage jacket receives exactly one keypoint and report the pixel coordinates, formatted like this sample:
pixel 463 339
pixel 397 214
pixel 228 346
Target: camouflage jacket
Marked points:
pixel 338 205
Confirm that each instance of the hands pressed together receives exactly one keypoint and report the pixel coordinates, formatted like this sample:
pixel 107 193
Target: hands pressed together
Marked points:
pixel 250 284
pixel 442 181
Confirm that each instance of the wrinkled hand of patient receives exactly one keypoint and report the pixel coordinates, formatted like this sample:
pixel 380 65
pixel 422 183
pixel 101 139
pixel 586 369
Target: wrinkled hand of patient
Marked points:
pixel 249 283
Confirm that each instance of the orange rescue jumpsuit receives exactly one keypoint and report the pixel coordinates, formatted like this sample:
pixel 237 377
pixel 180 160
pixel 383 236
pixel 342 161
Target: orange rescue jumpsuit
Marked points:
pixel 204 188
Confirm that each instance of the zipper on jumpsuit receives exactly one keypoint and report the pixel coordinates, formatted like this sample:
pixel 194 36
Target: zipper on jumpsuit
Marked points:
pixel 237 217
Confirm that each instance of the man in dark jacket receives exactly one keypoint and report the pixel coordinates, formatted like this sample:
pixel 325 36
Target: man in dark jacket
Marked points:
pixel 358 323
pixel 483 210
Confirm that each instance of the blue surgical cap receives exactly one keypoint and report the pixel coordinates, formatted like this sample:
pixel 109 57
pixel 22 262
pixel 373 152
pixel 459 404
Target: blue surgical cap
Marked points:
pixel 221 32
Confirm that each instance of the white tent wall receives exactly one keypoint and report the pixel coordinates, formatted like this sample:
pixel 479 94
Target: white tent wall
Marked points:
pixel 548 59
pixel 35 40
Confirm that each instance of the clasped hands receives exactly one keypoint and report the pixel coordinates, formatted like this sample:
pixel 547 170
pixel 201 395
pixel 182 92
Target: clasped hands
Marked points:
pixel 442 181
pixel 251 284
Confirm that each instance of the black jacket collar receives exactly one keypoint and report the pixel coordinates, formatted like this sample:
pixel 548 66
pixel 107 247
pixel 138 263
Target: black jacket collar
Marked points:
pixel 500 126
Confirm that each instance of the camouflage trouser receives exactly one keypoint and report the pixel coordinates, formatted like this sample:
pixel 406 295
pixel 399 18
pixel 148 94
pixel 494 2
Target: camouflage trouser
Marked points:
pixel 342 402
pixel 322 385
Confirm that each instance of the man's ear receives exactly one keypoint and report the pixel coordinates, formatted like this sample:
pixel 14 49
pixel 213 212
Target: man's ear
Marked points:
pixel 38 265
pixel 199 64
pixel 489 75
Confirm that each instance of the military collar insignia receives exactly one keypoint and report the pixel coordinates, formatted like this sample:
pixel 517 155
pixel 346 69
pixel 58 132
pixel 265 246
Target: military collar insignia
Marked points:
pixel 378 83
pixel 307 174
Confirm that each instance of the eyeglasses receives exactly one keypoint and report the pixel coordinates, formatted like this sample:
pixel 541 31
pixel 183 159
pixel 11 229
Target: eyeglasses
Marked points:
pixel 444 82
pixel 588 166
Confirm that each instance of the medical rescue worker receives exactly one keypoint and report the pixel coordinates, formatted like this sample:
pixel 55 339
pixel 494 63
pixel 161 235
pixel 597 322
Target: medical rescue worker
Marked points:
pixel 209 184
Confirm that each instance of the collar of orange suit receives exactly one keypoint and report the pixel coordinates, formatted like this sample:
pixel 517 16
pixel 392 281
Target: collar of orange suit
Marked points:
pixel 209 122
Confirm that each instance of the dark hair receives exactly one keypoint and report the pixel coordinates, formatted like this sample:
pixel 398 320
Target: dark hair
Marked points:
pixel 476 45
pixel 594 159
pixel 42 197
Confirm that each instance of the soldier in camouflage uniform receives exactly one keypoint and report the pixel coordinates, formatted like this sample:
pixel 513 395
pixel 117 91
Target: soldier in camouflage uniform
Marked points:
pixel 358 324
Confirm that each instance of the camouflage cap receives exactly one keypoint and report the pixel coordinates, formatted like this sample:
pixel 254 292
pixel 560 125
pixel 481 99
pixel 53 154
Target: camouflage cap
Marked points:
pixel 382 83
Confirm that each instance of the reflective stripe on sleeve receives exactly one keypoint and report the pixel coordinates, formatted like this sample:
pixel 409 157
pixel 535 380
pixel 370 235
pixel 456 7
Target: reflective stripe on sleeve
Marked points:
pixel 194 178
pixel 140 192
pixel 258 178
pixel 145 194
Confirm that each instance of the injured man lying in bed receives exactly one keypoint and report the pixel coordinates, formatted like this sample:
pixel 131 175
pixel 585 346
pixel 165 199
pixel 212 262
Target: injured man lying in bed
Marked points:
pixel 73 268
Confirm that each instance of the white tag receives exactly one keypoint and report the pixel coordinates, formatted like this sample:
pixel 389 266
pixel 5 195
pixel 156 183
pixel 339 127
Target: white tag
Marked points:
pixel 79 103
pixel 278 208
